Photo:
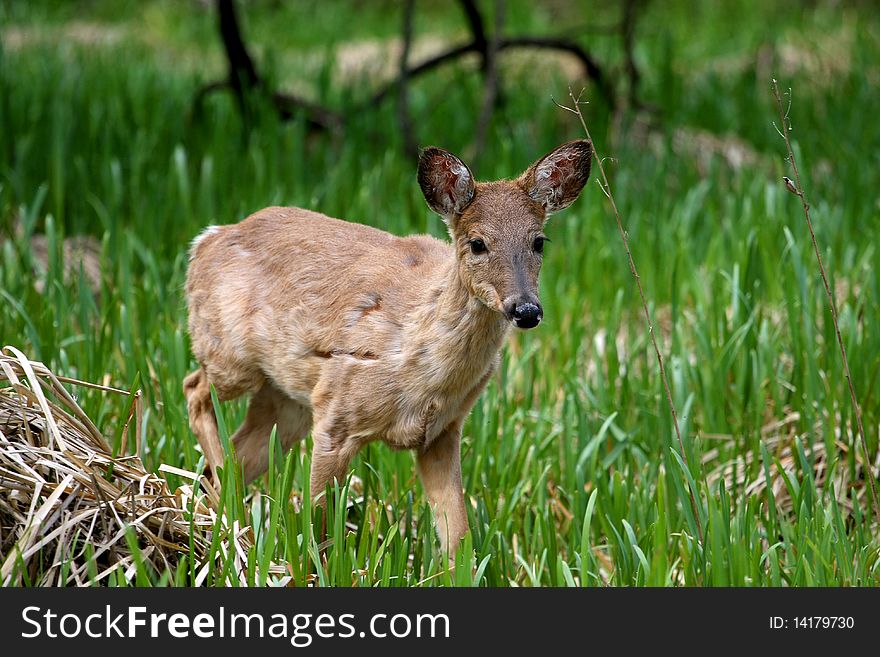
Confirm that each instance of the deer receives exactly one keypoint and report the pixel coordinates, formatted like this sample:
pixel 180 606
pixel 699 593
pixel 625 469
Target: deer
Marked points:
pixel 358 335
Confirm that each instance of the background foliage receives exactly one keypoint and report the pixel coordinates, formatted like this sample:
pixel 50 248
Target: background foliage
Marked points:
pixel 568 458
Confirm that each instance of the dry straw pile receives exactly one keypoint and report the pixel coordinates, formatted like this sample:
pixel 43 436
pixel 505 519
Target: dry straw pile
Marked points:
pixel 67 504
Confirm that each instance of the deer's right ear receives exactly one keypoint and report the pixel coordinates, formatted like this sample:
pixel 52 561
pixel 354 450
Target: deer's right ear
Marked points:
pixel 446 182
pixel 556 180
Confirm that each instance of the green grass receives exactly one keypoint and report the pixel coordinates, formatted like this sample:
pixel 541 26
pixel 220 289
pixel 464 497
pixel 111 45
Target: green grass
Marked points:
pixel 569 459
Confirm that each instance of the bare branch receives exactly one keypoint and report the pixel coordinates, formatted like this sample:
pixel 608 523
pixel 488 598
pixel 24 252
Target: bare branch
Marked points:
pixel 244 79
pixel 427 65
pixel 410 144
pixel 628 32
pixel 242 73
pixel 316 116
pixel 475 22
pixel 592 69
pixel 606 188
pixel 799 191
pixel 490 91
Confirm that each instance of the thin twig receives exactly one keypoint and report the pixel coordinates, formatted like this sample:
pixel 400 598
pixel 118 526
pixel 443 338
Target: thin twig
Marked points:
pixel 797 188
pixel 606 189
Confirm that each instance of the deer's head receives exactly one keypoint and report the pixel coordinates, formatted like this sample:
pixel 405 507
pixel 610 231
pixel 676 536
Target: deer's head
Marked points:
pixel 497 227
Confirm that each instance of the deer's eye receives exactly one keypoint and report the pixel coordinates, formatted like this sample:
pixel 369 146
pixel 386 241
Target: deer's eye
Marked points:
pixel 538 244
pixel 478 246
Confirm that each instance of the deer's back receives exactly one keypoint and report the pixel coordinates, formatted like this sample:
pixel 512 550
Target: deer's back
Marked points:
pixel 286 289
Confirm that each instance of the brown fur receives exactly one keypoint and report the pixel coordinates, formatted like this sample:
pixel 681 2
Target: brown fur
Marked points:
pixel 362 335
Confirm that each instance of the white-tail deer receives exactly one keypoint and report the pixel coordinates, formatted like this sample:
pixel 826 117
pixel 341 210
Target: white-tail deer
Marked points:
pixel 361 335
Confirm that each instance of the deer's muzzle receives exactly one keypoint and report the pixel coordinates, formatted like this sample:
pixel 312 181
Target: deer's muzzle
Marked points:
pixel 526 315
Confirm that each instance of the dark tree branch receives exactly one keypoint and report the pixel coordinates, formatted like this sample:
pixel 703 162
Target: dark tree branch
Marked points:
pixel 242 73
pixel 209 88
pixel 424 67
pixel 410 145
pixel 592 70
pixel 478 32
pixel 316 116
pixel 490 92
pixel 244 79
pixel 628 32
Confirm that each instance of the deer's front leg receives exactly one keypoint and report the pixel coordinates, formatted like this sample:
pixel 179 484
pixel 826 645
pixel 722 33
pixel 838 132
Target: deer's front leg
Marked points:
pixel 440 469
pixel 332 453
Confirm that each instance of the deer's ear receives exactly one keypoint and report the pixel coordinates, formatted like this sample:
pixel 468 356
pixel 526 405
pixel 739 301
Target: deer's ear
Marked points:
pixel 556 180
pixel 446 182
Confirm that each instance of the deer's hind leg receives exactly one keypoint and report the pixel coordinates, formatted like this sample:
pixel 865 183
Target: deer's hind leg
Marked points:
pixel 202 421
pixel 268 407
pixel 200 407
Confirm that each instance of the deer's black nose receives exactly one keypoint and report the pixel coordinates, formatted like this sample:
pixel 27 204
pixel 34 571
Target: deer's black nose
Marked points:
pixel 527 315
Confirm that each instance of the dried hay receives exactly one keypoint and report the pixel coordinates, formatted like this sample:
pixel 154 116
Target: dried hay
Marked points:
pixel 830 472
pixel 66 503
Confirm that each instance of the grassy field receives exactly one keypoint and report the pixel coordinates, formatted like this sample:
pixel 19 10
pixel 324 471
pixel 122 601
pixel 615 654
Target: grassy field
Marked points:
pixel 569 459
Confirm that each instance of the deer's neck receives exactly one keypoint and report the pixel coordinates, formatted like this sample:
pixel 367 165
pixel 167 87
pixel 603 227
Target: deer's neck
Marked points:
pixel 455 336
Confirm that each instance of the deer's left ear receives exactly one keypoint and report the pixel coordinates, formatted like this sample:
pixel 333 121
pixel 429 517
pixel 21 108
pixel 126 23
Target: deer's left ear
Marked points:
pixel 446 182
pixel 556 180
